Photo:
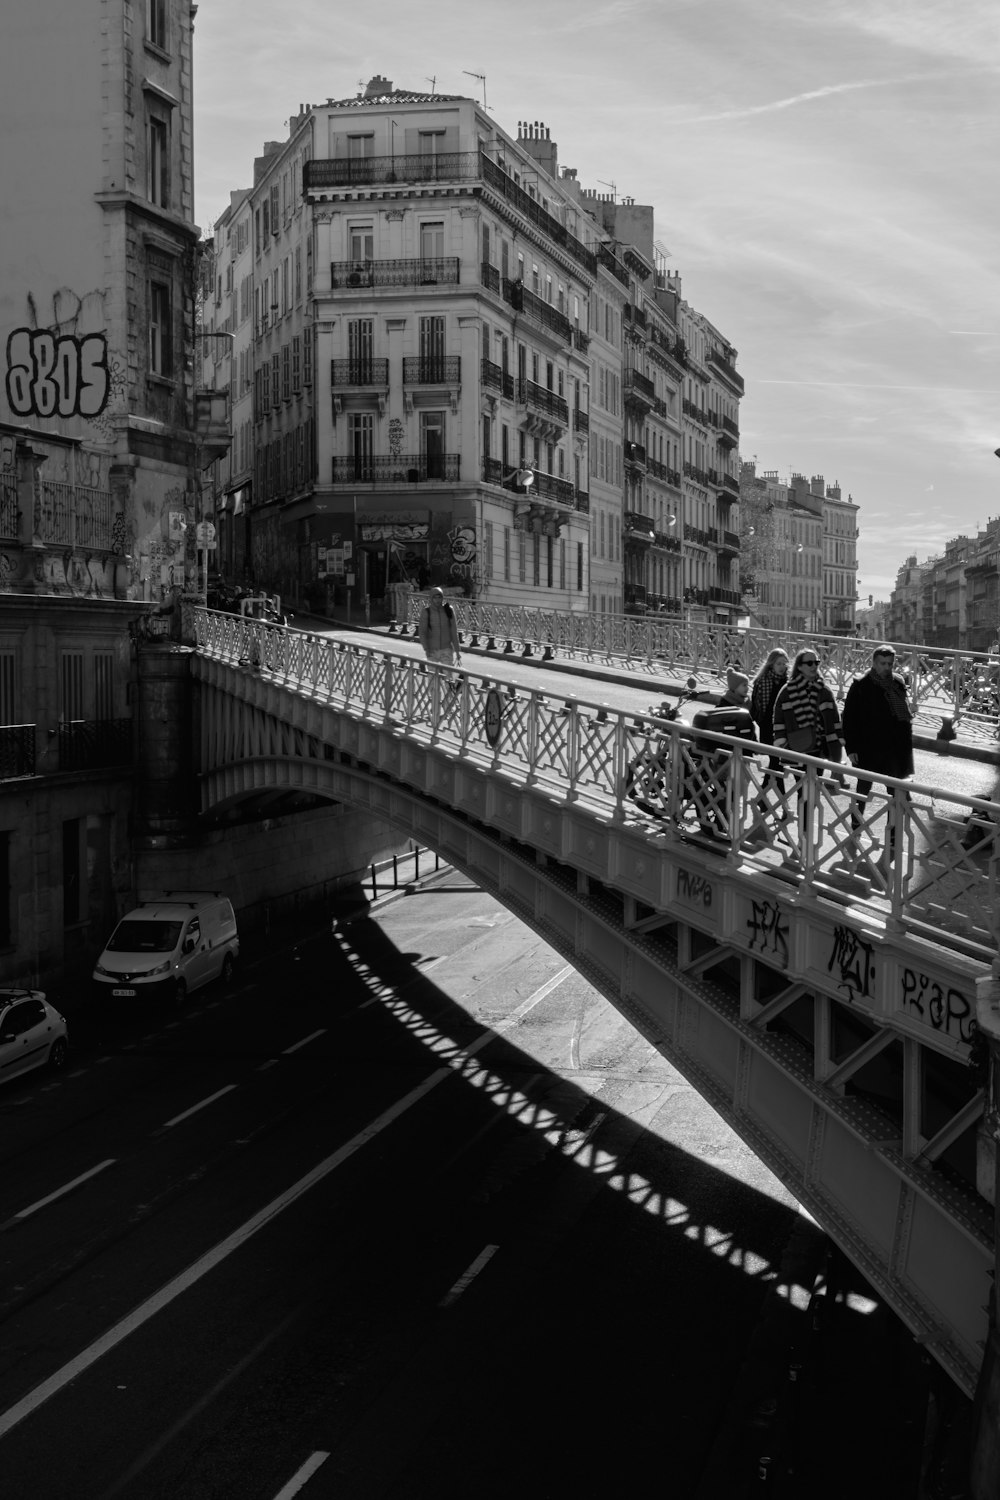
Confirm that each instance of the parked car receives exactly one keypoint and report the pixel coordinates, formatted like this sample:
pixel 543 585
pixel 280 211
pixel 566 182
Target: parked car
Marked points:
pixel 32 1033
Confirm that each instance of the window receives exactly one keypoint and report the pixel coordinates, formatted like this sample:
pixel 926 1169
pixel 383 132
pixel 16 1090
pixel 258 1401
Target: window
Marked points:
pixel 430 142
pixel 158 162
pixel 360 146
pixel 362 242
pixel 361 435
pixel 156 23
pixel 296 364
pixel 8 687
pixel 431 241
pixel 432 442
pixel 432 346
pixel 160 351
pixel 104 685
pixel 360 346
pixel 286 372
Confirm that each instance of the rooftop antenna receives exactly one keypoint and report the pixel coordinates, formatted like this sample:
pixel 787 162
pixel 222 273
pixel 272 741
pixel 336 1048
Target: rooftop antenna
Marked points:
pixel 482 80
pixel 613 186
pixel 432 82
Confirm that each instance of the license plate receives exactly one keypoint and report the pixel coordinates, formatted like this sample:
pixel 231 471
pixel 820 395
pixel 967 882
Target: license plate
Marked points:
pixel 123 994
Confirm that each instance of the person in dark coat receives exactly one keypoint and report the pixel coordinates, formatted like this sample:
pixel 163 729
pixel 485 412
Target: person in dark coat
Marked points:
pixel 806 720
pixel 766 686
pixel 878 732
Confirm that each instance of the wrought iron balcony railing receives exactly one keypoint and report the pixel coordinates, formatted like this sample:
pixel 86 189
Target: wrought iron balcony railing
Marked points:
pixel 539 312
pixel 608 260
pixel 537 396
pixel 731 484
pixel 489 276
pixel 94 744
pixel 17 751
pixel 635 455
pixel 395 468
pixel 691 471
pixel 581 341
pixel 359 372
pixel 73 515
pixel 495 378
pixel 727 368
pixel 535 214
pixel 438 369
pixel 349 171
pixel 356 275
pixel 638 528
pixel 10 516
pixel 551 487
pixel 582 501
pixel 581 420
pixel 656 469
pixel 639 389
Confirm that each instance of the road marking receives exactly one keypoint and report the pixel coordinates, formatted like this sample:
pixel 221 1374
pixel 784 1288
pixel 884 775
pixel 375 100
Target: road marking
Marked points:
pixel 533 1000
pixel 220 1252
pixel 68 1188
pixel 304 1042
pixel 195 1107
pixel 468 1276
pixel 302 1476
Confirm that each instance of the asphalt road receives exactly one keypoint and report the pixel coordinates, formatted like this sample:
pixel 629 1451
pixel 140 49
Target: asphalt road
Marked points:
pixel 411 1211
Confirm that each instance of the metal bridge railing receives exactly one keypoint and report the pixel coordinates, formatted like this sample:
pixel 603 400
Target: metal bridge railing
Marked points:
pixel 961 686
pixel 924 859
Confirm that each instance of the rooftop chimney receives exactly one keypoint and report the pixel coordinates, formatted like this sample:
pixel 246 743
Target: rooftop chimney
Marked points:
pixel 378 86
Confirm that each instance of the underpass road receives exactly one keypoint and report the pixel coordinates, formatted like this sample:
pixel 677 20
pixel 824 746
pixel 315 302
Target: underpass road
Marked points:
pixel 409 1211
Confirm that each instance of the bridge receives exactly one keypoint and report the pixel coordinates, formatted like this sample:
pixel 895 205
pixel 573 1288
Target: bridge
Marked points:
pixel 820 994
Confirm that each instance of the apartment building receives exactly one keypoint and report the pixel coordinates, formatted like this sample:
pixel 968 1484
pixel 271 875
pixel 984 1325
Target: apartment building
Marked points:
pixel 441 310
pixel 99 445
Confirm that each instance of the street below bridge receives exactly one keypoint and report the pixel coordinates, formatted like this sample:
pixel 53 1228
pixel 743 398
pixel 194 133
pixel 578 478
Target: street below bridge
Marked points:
pixel 411 1211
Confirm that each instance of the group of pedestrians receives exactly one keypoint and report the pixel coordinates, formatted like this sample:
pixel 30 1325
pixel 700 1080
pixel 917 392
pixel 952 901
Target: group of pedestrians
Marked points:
pixel 795 711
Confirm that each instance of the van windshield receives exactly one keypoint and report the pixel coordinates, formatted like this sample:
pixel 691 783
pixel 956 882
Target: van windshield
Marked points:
pixel 145 937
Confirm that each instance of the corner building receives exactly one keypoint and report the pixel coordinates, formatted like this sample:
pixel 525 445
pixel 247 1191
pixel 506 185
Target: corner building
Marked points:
pixel 420 311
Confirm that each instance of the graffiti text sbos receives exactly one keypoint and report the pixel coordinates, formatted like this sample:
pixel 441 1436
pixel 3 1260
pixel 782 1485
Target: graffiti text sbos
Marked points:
pixel 57 375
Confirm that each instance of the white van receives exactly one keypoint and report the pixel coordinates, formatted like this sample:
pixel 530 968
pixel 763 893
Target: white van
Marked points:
pixel 169 946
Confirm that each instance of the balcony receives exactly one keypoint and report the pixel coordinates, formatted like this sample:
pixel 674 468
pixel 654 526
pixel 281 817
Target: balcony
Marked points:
pixel 349 171
pixel 10 516
pixel 638 528
pixel 635 598
pixel 731 485
pixel 397 468
pixel 359 372
pixel 582 501
pixel 551 487
pixel 674 478
pixel 608 261
pixel 667 541
pixel 496 178
pixel 696 534
pixel 691 471
pixel 542 404
pixel 731 541
pixel 694 412
pixel 494 378
pixel 435 369
pixel 357 275
pixel 728 435
pixel 727 369
pixel 17 751
pixel 490 277
pixel 537 311
pixel 639 391
pixel 95 744
pixel 655 469
pixel 581 420
pixel 581 341
pixel 635 456
pixel 635 315
pixel 73 516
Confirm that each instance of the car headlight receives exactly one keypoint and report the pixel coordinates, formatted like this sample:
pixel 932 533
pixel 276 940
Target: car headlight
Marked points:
pixel 100 969
pixel 160 969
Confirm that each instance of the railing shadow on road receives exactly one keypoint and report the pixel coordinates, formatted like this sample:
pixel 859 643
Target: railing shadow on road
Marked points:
pixel 720 1260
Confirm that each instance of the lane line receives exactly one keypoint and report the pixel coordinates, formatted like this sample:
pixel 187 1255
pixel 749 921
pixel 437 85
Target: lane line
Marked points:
pixel 535 999
pixel 68 1188
pixel 196 1107
pixel 301 1477
pixel 220 1252
pixel 468 1276
pixel 304 1042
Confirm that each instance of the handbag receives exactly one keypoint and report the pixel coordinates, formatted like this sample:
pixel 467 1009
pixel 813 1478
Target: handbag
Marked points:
pixel 803 741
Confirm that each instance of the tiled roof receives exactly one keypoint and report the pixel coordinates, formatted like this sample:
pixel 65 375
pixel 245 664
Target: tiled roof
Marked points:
pixel 397 97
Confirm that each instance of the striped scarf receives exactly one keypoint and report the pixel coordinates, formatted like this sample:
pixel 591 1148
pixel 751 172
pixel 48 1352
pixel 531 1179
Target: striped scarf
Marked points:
pixel 802 697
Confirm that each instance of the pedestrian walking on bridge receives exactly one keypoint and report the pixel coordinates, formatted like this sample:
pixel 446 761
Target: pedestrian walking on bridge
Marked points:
pixel 807 721
pixel 437 630
pixel 878 733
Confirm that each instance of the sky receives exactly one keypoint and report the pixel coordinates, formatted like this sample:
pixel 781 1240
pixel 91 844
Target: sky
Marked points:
pixel 824 177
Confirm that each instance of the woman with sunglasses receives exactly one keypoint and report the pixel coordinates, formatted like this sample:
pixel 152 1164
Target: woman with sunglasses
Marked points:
pixel 806 718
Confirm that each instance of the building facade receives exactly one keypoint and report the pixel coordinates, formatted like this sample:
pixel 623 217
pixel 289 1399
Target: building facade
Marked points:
pixel 99 446
pixel 439 312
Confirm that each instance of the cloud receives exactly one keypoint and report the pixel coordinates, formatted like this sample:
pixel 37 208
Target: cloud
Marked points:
pixel 826 92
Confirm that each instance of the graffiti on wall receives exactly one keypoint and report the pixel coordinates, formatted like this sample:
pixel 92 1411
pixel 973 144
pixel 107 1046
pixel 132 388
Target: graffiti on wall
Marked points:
pixel 51 375
pixel 462 541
